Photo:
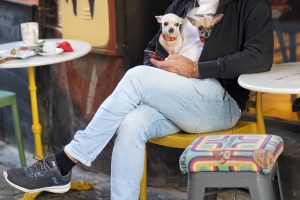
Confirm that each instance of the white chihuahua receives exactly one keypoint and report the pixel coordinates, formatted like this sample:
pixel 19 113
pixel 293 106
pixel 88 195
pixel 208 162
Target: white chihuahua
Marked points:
pixel 170 38
pixel 205 24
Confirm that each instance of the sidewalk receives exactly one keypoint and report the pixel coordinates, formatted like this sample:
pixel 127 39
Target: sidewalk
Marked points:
pixel 101 182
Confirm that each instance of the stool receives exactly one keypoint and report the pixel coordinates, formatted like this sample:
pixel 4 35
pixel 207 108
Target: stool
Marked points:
pixel 9 99
pixel 233 161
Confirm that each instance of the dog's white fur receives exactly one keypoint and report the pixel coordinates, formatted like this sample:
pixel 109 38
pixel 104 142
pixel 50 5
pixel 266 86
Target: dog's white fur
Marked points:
pixel 205 23
pixel 170 38
pixel 192 47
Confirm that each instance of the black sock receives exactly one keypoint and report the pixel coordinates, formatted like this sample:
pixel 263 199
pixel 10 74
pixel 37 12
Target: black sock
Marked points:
pixel 65 164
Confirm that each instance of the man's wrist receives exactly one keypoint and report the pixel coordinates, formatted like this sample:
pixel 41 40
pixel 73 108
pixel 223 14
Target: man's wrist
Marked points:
pixel 196 73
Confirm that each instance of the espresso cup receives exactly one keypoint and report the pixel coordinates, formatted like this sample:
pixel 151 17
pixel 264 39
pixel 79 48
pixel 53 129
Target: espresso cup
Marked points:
pixel 30 33
pixel 49 47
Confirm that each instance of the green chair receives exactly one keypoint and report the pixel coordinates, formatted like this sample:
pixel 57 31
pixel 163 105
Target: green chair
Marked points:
pixel 9 99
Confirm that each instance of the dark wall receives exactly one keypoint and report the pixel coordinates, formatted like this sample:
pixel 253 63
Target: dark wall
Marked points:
pixel 136 20
pixel 11 16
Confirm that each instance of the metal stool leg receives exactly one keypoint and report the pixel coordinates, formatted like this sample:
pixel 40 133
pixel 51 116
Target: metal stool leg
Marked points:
pixel 257 194
pixel 196 191
pixel 278 184
pixel 261 188
pixel 212 196
pixel 19 137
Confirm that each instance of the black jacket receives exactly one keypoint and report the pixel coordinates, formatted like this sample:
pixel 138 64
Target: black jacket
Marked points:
pixel 241 43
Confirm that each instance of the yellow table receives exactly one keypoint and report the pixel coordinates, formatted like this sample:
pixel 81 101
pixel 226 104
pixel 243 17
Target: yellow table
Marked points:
pixel 80 49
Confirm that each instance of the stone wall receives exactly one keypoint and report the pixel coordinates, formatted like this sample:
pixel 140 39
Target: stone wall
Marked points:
pixel 11 16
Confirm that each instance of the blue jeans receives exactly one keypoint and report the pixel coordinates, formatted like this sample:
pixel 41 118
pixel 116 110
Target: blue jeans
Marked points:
pixel 148 103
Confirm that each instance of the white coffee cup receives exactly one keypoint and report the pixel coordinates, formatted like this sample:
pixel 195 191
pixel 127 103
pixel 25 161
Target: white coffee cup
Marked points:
pixel 49 47
pixel 30 33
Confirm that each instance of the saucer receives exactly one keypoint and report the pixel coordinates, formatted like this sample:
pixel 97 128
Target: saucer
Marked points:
pixel 25 45
pixel 17 53
pixel 57 52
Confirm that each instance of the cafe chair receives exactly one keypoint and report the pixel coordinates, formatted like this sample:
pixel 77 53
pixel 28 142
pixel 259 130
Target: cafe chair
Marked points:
pixel 286 20
pixel 182 140
pixel 278 30
pixel 9 99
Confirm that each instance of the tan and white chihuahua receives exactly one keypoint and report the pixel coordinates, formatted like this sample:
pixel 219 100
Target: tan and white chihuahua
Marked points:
pixel 205 23
pixel 170 38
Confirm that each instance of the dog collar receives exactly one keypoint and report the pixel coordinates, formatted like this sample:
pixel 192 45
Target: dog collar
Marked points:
pixel 169 38
pixel 202 39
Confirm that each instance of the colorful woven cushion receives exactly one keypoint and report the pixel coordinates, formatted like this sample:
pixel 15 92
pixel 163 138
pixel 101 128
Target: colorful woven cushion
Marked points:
pixel 232 153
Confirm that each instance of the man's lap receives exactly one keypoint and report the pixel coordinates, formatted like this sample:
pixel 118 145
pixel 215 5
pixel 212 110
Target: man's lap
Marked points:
pixel 194 105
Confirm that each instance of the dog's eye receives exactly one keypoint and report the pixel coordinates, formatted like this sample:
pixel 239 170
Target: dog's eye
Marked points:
pixel 166 24
pixel 177 24
pixel 200 28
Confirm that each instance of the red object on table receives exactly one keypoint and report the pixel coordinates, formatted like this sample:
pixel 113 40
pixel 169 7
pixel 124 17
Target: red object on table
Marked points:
pixel 66 46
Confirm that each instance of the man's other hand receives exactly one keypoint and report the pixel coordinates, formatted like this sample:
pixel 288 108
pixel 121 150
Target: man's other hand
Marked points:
pixel 178 64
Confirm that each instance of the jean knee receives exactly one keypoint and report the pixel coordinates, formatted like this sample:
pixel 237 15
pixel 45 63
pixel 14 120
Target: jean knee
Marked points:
pixel 139 71
pixel 135 126
pixel 131 130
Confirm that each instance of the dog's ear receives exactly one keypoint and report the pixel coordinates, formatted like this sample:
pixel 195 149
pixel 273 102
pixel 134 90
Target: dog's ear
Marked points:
pixel 192 20
pixel 218 18
pixel 158 18
pixel 181 20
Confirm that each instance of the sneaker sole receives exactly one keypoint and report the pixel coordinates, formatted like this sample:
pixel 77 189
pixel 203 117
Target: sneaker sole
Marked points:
pixel 54 189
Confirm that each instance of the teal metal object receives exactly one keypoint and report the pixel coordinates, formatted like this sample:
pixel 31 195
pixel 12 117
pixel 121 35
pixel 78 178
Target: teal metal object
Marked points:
pixel 9 99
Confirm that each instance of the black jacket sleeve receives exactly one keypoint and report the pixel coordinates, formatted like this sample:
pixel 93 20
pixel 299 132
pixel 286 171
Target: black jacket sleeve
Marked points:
pixel 257 52
pixel 151 46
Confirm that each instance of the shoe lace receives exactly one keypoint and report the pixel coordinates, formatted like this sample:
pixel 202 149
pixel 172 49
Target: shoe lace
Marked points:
pixel 38 167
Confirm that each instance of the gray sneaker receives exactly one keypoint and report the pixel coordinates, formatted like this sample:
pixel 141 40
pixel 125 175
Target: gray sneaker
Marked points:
pixel 43 175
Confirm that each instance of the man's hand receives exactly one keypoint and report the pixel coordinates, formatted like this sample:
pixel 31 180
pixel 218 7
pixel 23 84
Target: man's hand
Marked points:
pixel 178 64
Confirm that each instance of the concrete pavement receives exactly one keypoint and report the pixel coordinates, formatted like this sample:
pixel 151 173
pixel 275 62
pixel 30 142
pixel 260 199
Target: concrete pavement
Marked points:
pixel 101 183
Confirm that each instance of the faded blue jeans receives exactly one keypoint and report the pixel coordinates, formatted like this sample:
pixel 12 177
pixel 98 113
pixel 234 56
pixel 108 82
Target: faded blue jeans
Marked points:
pixel 148 103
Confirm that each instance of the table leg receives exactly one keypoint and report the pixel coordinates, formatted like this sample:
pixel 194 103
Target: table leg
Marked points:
pixel 37 131
pixel 36 126
pixel 259 113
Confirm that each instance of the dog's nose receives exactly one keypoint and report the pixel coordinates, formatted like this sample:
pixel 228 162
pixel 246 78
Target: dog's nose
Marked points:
pixel 206 35
pixel 171 30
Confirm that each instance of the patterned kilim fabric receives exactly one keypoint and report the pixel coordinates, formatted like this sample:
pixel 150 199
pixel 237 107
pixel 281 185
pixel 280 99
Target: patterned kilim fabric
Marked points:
pixel 232 153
